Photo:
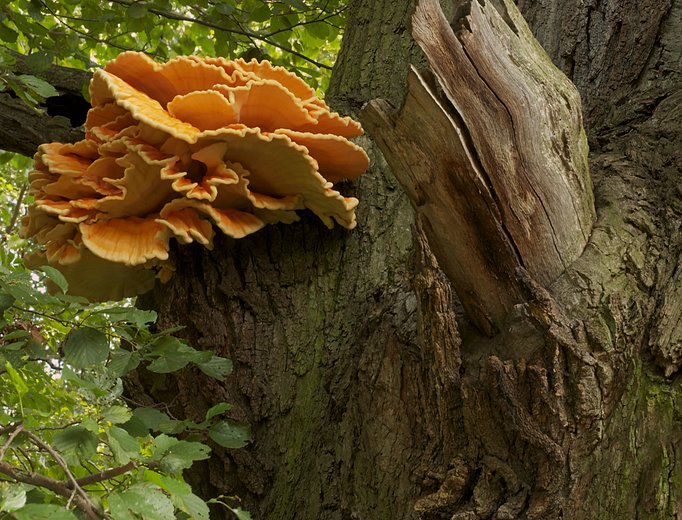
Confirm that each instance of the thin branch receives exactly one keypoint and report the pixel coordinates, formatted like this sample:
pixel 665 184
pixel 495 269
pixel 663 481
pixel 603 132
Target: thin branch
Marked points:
pixel 44 315
pixel 306 22
pixel 14 429
pixel 68 488
pixel 113 472
pixel 55 428
pixel 52 364
pixel 248 34
pixel 24 460
pixel 59 487
pixel 87 35
pixel 15 213
pixel 8 428
pixel 87 506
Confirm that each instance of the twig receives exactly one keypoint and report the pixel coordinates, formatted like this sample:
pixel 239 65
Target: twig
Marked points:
pixel 59 487
pixel 306 22
pixel 85 504
pixel 24 460
pixel 114 472
pixel 14 430
pixel 222 28
pixel 54 428
pixel 15 213
pixel 87 35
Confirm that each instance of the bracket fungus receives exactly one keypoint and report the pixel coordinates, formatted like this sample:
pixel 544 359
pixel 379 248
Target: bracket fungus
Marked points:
pixel 175 150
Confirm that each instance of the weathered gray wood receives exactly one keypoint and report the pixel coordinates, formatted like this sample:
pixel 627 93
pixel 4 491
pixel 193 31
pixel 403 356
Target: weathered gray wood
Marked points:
pixel 433 161
pixel 508 136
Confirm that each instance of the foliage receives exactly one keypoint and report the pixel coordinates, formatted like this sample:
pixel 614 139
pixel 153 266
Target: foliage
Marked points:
pixel 303 35
pixel 71 444
pixel 69 440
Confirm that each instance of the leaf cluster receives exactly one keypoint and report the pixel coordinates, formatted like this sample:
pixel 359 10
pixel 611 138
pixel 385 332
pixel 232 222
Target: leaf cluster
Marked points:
pixel 71 445
pixel 303 35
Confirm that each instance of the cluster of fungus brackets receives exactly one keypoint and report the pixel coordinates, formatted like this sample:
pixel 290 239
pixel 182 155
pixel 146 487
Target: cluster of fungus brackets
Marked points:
pixel 172 150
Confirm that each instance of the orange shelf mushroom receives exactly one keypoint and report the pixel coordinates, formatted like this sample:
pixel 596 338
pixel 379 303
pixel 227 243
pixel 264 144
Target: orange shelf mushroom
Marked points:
pixel 177 150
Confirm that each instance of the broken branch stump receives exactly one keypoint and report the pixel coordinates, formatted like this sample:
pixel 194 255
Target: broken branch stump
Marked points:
pixel 493 156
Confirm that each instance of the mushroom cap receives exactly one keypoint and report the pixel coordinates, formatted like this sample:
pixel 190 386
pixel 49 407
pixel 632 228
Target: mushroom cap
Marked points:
pixel 129 241
pixel 163 81
pixel 337 157
pixel 232 222
pixel 178 150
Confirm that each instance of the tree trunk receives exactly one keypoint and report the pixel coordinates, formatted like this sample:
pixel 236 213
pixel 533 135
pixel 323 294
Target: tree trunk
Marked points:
pixel 369 387
pixel 370 393
pixel 23 128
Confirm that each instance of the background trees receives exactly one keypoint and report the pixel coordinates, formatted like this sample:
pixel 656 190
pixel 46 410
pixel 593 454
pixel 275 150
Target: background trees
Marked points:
pixel 368 391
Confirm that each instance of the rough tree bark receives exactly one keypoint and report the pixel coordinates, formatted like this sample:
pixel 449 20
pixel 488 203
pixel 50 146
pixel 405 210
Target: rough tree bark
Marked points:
pixel 370 392
pixel 23 128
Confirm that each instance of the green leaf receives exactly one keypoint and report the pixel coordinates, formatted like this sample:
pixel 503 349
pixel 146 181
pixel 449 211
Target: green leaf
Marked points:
pixel 143 500
pixel 194 506
pixel 230 434
pixel 240 513
pixel 6 60
pixel 26 95
pixel 297 4
pixel 133 315
pixel 39 61
pixel 173 355
pixel 76 443
pixel 123 445
pixel 162 444
pixel 175 455
pixel 17 381
pixel 169 484
pixel 319 30
pixel 217 367
pixel 70 298
pixel 38 404
pixel 39 86
pixel 122 361
pixel 70 376
pixel 260 13
pixel 8 35
pixel 12 497
pixel 225 8
pixel 137 11
pixel 35 10
pixel 22 294
pixel 6 301
pixel 15 334
pixel 43 512
pixel 217 410
pixel 172 426
pixel 150 417
pixel 117 414
pixel 15 346
pixel 85 347
pixel 56 276
pixel 135 427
